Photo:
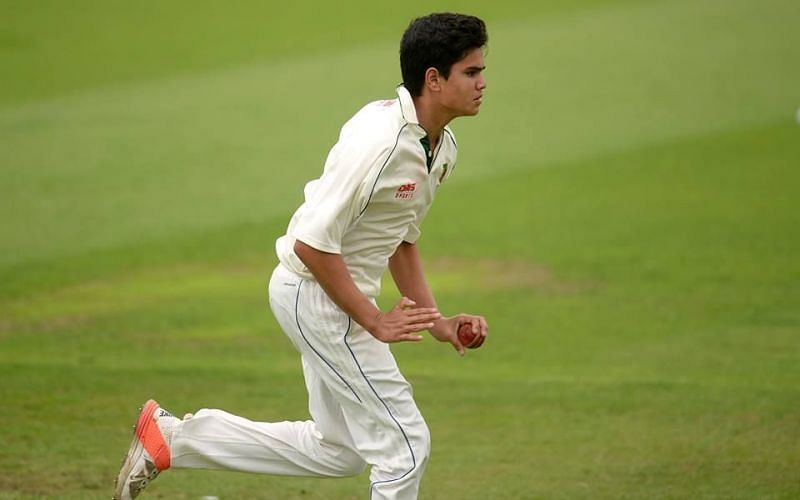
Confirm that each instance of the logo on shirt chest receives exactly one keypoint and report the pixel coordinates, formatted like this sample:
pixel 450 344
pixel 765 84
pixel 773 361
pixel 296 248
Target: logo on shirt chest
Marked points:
pixel 406 191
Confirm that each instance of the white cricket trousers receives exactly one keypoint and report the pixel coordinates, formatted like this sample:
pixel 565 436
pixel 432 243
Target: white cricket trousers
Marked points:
pixel 362 409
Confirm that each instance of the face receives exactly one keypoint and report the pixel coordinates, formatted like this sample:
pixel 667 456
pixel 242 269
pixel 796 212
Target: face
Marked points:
pixel 462 92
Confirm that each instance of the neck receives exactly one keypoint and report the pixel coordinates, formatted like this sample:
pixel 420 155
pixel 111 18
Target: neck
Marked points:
pixel 431 116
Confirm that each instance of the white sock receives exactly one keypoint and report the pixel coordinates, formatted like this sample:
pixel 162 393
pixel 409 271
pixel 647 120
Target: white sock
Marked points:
pixel 167 424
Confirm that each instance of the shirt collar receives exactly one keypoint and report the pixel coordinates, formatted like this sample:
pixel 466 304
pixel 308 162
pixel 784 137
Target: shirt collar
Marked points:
pixel 407 105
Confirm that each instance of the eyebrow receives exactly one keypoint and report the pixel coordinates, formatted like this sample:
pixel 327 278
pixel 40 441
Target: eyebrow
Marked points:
pixel 475 68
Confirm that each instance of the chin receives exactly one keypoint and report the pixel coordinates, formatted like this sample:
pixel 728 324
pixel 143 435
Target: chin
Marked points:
pixel 470 111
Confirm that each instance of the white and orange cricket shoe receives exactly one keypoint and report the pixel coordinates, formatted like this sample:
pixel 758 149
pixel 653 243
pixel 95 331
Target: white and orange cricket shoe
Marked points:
pixel 149 453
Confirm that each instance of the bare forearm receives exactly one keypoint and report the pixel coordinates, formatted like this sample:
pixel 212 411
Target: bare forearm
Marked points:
pixel 332 274
pixel 402 323
pixel 406 268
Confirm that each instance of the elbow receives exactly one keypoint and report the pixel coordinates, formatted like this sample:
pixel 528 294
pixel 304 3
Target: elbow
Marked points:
pixel 302 251
pixel 402 249
pixel 308 254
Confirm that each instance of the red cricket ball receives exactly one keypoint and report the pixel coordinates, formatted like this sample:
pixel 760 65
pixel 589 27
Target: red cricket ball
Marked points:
pixel 465 335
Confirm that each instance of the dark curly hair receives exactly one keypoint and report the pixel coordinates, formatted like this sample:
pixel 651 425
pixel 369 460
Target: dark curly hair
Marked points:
pixel 437 41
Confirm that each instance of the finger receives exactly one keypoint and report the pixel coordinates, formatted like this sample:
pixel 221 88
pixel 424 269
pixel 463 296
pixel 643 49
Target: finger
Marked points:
pixel 415 315
pixel 419 311
pixel 484 331
pixel 473 323
pixel 476 341
pixel 422 318
pixel 419 327
pixel 458 347
pixel 476 324
pixel 407 337
pixel 405 303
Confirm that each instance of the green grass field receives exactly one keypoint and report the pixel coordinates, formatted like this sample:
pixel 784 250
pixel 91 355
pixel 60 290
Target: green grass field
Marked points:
pixel 625 212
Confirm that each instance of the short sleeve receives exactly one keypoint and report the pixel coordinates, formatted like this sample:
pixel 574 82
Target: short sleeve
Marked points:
pixel 332 201
pixel 412 234
pixel 413 231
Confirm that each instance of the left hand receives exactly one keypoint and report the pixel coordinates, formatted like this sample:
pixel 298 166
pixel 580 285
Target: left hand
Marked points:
pixel 446 330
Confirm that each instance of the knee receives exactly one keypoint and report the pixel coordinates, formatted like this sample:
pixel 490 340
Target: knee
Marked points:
pixel 421 443
pixel 405 464
pixel 351 463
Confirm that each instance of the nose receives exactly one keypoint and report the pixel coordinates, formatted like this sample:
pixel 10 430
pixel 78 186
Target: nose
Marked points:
pixel 481 83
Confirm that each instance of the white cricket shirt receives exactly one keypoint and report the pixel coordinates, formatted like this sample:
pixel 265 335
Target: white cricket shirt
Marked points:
pixel 377 185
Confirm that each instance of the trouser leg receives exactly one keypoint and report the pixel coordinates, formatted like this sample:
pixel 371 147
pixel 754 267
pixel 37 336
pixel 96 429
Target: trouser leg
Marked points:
pixel 376 402
pixel 215 439
pixel 388 430
pixel 362 407
pixel 322 446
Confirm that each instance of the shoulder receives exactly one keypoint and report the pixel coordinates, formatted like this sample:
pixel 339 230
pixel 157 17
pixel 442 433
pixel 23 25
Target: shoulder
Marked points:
pixel 378 124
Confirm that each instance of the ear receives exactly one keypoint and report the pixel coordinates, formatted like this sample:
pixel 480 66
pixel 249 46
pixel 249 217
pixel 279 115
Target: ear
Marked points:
pixel 433 79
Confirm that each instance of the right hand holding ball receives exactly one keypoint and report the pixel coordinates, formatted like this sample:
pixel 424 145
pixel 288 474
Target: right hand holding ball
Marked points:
pixel 468 337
